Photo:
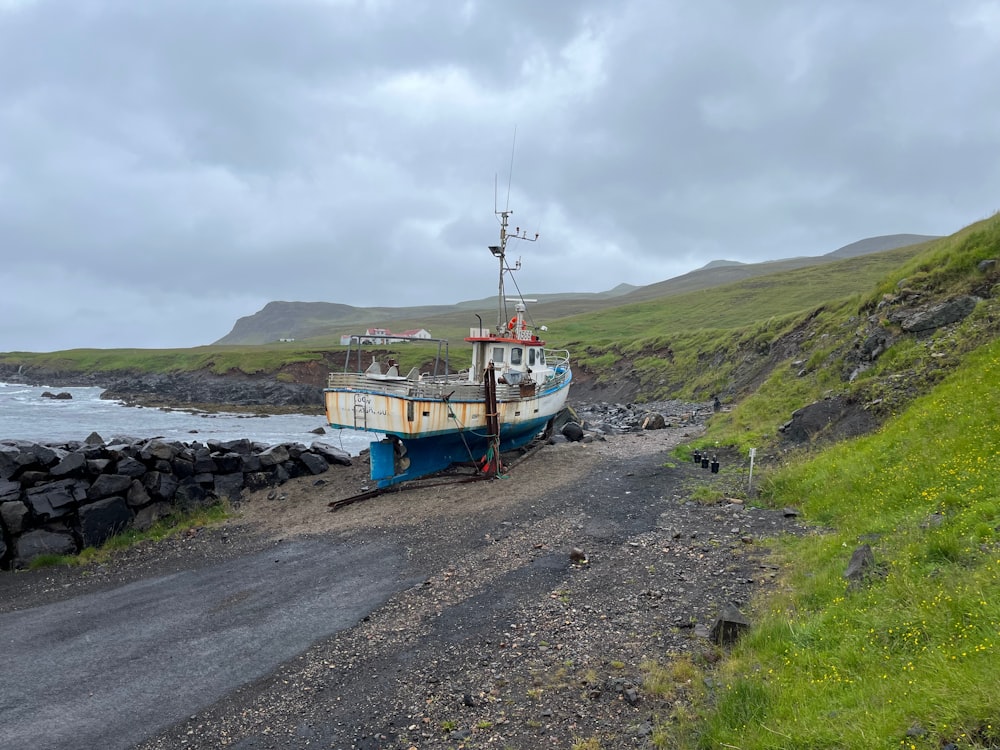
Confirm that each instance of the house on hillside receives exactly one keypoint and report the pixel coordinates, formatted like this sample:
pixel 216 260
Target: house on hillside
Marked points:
pixel 381 336
pixel 417 333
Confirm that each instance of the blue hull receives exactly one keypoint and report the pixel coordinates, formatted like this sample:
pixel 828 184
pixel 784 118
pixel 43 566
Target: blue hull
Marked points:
pixel 430 455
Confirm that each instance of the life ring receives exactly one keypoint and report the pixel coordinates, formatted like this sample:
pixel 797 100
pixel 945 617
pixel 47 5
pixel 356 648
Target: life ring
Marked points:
pixel 512 324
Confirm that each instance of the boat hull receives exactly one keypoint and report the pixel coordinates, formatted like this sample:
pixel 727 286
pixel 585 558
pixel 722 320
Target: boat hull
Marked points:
pixel 429 455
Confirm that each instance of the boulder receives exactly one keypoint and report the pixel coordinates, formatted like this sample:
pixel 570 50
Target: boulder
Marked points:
pixel 98 466
pixel 8 462
pixel 107 485
pixel 728 626
pixel 274 456
pixel 565 415
pixel 145 518
pixel 9 490
pixel 653 421
pixel 161 486
pixel 331 453
pixel 183 468
pixel 833 418
pixel 52 500
pixel 72 465
pixel 42 542
pixel 204 464
pixel 229 486
pixel 935 316
pixel 103 519
pixel 242 446
pixel 257 480
pixel 861 564
pixel 130 467
pixel 158 449
pixel 137 495
pixel 14 516
pixel 315 464
pixel 190 496
pixel 33 456
pixel 229 463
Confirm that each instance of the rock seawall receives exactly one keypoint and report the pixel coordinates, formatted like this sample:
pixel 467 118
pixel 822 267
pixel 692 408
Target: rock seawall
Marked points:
pixel 58 499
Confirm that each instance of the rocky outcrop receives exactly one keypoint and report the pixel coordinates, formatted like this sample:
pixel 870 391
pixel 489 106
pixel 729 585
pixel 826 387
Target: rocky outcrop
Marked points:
pixel 830 419
pixel 58 499
pixel 203 388
pixel 933 316
pixel 177 388
pixel 910 315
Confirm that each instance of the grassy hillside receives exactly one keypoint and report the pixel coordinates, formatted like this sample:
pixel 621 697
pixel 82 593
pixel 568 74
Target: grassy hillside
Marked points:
pixel 722 340
pixel 325 321
pixel 907 658
pixel 734 305
pixel 802 358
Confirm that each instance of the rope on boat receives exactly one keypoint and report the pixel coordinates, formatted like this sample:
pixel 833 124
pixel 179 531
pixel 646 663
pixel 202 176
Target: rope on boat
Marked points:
pixel 461 427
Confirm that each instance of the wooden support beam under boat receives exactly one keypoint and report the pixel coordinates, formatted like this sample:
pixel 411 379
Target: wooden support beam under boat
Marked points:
pixel 491 465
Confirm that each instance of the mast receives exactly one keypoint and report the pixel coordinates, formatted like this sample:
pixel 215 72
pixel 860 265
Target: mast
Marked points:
pixel 500 252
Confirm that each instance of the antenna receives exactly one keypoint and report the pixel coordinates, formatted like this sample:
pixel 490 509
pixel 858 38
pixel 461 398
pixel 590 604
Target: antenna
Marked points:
pixel 510 173
pixel 499 251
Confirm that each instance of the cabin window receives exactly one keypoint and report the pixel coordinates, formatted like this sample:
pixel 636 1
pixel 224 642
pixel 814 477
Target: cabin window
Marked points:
pixel 515 355
pixel 531 357
pixel 498 355
pixel 541 357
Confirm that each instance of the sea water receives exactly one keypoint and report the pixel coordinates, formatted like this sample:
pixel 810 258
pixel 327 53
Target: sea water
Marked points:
pixel 26 415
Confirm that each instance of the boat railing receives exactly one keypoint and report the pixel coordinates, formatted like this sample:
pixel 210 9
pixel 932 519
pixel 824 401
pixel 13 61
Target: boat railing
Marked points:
pixel 358 341
pixel 557 358
pixel 435 387
pixel 422 386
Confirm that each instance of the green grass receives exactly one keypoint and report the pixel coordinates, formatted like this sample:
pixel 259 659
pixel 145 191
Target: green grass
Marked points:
pixel 217 359
pixel 946 265
pixel 828 666
pixel 731 306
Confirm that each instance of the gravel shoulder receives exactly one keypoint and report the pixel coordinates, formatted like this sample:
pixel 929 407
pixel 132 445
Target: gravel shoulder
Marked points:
pixel 505 640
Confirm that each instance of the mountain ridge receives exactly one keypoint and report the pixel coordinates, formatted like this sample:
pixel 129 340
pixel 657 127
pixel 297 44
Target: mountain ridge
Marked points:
pixel 279 320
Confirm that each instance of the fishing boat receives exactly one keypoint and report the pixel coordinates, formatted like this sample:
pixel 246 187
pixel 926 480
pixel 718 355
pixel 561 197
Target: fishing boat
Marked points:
pixel 507 397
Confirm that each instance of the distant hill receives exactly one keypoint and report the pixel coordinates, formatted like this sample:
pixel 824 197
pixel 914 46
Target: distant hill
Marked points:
pixel 721 264
pixel 878 244
pixel 719 272
pixel 306 320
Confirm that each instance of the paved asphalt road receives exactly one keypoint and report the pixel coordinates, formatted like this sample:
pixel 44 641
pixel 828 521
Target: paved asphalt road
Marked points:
pixel 108 669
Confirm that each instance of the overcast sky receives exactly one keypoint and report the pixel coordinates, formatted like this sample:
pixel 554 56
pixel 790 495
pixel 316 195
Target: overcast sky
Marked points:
pixel 169 166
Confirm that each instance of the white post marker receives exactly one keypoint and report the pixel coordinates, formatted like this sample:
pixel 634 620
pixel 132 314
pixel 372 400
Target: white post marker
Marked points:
pixel 753 452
